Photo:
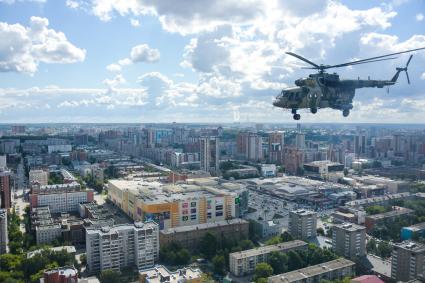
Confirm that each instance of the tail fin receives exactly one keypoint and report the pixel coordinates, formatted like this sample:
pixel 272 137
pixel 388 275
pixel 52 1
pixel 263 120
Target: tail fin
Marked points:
pixel 394 79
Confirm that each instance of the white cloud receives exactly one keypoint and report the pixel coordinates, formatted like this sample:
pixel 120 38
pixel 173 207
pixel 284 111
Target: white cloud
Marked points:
pixel 114 67
pixel 117 80
pixel 423 76
pixel 135 22
pixel 139 53
pixel 23 48
pixel 143 53
pixel 420 17
pixel 72 4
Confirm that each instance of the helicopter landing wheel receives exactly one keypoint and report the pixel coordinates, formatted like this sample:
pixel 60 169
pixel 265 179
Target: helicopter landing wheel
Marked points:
pixel 313 110
pixel 297 116
pixel 345 112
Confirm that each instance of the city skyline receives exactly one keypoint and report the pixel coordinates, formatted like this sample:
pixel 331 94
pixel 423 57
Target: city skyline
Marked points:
pixel 143 61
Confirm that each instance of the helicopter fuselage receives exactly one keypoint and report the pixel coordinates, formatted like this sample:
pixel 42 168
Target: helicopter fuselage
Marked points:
pixel 324 90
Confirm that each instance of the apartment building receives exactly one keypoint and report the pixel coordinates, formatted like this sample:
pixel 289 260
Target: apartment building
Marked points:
pixel 60 197
pixel 302 224
pixel 332 270
pixel 5 195
pixel 408 261
pixel 4 239
pixel 189 236
pixel 210 154
pixel 46 230
pixel 172 205
pixel 40 177
pixel 122 246
pixel 349 240
pixel 244 262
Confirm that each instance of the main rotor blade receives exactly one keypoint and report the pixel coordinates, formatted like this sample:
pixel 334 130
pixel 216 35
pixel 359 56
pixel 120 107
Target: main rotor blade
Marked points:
pixel 408 61
pixel 303 59
pixel 407 76
pixel 371 61
pixel 368 59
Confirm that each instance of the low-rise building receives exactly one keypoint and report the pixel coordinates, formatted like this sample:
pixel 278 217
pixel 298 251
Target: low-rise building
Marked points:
pixel 39 177
pixel 66 274
pixel 331 270
pixel 61 197
pixel 395 213
pixel 190 236
pixel 324 169
pixel 408 261
pixel 160 273
pixel 417 230
pixel 244 262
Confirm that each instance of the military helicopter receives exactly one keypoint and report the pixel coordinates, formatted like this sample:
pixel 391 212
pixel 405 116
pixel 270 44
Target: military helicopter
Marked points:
pixel 323 90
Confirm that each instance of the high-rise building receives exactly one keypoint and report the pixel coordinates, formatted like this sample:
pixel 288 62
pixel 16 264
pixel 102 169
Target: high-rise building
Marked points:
pixel 4 240
pixel 249 146
pixel 300 140
pixel 302 224
pixel 360 143
pixel 210 154
pixel 349 240
pixel 276 143
pixel 5 196
pixel 293 159
pixel 408 261
pixel 3 162
pixel 122 246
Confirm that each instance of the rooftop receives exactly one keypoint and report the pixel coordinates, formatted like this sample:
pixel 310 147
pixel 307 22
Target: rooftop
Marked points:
pixel 160 274
pixel 268 249
pixel 397 211
pixel 416 227
pixel 303 212
pixel 203 226
pixel 115 229
pixel 311 271
pixel 411 246
pixel 351 227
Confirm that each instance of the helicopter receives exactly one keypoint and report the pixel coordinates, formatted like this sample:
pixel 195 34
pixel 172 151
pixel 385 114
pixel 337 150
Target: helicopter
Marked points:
pixel 324 90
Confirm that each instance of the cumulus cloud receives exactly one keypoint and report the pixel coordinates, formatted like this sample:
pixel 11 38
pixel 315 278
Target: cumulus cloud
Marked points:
pixel 139 54
pixel 117 80
pixel 23 48
pixel 134 22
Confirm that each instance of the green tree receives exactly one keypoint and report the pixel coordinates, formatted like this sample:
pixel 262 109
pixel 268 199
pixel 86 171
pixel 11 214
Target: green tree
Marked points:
pixel 371 246
pixel 110 276
pixel 219 264
pixel 182 257
pixel 294 261
pixel 208 245
pixel 262 270
pixel 320 231
pixel 384 249
pixel 279 262
pixel 375 209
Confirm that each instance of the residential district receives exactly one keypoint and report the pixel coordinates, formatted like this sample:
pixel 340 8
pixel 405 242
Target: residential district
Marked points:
pixel 212 203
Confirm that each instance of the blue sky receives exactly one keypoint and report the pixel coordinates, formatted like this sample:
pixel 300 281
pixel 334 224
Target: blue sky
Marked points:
pixel 198 60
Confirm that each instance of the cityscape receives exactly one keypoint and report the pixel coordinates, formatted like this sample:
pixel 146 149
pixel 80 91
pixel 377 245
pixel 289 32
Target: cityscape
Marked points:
pixel 204 203
pixel 206 141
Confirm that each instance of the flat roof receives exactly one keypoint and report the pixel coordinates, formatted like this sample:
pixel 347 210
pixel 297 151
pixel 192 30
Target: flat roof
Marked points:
pixel 393 213
pixel 203 226
pixel 410 246
pixel 268 249
pixel 351 227
pixel 416 227
pixel 311 271
pixel 157 273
